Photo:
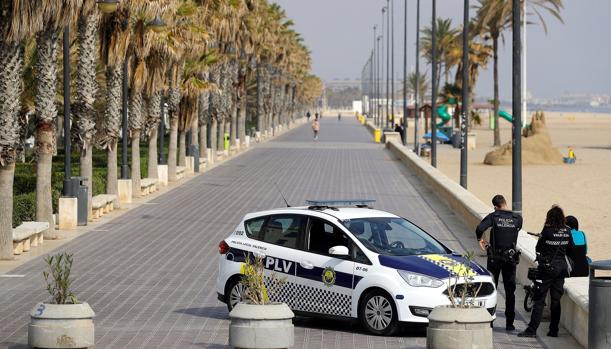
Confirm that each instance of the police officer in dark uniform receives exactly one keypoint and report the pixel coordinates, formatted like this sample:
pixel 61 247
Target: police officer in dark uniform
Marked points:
pixel 555 243
pixel 502 253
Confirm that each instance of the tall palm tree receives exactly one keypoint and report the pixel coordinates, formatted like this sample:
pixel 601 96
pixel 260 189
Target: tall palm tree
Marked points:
pixel 447 46
pixel 18 21
pixel 86 90
pixel 58 14
pixel 114 41
pixel 493 18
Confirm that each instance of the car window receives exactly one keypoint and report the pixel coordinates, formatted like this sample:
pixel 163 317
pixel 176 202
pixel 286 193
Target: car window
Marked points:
pixel 323 235
pixel 393 236
pixel 358 255
pixel 283 230
pixel 254 227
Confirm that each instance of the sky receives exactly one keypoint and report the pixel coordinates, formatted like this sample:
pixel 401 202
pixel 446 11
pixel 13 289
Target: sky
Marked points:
pixel 573 57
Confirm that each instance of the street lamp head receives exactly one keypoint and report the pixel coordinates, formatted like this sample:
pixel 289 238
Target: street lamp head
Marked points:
pixel 157 25
pixel 107 6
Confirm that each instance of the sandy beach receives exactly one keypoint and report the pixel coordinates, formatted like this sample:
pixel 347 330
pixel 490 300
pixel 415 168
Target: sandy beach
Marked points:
pixel 582 190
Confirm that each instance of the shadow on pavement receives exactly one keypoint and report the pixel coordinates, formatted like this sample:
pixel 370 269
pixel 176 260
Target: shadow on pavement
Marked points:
pixel 218 312
pixel 353 327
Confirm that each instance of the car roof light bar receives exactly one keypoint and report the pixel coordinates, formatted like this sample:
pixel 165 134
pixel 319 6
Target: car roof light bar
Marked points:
pixel 330 203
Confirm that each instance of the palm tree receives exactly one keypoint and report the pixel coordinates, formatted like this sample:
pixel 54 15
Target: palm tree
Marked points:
pixel 18 21
pixel 59 14
pixel 447 46
pixel 493 18
pixel 114 41
pixel 86 90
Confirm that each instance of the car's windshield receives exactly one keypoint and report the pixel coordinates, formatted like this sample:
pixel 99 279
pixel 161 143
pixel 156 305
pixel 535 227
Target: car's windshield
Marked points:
pixel 393 236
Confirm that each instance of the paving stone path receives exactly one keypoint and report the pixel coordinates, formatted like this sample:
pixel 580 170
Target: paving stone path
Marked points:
pixel 150 274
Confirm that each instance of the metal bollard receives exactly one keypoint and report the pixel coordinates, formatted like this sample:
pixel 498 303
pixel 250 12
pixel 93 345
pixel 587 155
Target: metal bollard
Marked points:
pixel 599 312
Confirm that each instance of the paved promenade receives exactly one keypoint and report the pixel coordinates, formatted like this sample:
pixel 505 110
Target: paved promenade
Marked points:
pixel 150 274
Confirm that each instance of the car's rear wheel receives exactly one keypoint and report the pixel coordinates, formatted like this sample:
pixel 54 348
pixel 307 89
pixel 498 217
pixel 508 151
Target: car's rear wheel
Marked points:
pixel 235 292
pixel 378 313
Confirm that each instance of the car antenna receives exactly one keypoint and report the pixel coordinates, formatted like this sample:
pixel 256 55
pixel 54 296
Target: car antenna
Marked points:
pixel 280 191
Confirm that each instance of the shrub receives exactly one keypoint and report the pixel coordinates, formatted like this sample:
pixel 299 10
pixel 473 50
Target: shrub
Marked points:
pixel 24 208
pixel 58 278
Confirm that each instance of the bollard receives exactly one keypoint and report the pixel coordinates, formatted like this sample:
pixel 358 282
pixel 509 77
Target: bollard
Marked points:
pixel 599 313
pixel 377 135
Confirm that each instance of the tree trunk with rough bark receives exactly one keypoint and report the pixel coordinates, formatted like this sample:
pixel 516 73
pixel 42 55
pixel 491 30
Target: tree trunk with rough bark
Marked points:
pixel 497 130
pixel 182 146
pixel 172 149
pixel 233 126
pixel 7 174
pixel 85 95
pixel 203 140
pixel 45 69
pixel 213 136
pixel 11 63
pixel 135 169
pixel 153 155
pixel 195 133
pixel 112 183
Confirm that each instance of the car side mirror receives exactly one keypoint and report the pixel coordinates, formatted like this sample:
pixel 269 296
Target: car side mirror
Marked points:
pixel 339 251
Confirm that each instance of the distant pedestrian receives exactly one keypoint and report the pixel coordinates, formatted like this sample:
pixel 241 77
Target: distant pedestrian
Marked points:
pixel 339 117
pixel 316 128
pixel 308 115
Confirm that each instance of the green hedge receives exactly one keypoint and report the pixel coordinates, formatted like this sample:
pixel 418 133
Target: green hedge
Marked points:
pixel 24 208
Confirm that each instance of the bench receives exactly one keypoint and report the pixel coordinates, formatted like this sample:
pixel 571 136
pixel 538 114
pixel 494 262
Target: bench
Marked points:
pixel 27 235
pixel 148 185
pixel 180 172
pixel 102 204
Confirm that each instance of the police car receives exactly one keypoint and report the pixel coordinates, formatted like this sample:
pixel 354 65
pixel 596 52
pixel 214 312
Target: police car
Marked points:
pixel 348 262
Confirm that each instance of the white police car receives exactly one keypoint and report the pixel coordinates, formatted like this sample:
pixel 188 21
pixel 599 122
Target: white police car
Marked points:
pixel 346 263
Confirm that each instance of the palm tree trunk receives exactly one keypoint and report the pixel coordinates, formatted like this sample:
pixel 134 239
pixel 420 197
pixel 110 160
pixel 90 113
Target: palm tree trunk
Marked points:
pixel 11 62
pixel 85 95
pixel 46 84
pixel 152 159
pixel 220 135
pixel 172 149
pixel 233 125
pixel 112 183
pixel 242 122
pixel 135 169
pixel 213 136
pixel 7 174
pixel 497 131
pixel 203 139
pixel 182 153
pixel 86 170
pixel 195 133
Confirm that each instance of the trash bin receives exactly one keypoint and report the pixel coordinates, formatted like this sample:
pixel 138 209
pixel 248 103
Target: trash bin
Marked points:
pixel 456 140
pixel 79 190
pixel 226 141
pixel 194 152
pixel 377 135
pixel 599 313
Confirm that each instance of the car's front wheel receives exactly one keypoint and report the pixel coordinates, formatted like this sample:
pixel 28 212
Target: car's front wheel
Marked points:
pixel 378 313
pixel 235 292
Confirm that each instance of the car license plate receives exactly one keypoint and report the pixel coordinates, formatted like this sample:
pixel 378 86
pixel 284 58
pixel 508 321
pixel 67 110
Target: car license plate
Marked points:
pixel 475 302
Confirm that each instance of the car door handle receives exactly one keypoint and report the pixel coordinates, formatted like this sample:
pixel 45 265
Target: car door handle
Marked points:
pixel 307 265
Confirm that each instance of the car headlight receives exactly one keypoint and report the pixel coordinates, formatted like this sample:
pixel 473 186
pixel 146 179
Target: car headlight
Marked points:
pixel 419 280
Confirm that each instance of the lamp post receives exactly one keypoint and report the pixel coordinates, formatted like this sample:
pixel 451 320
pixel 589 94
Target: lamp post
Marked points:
pixel 375 76
pixel 125 95
pixel 379 68
pixel 464 125
pixel 387 62
pixel 392 61
pixel 417 82
pixel 404 134
pixel 434 87
pixel 516 154
pixel 384 114
pixel 67 190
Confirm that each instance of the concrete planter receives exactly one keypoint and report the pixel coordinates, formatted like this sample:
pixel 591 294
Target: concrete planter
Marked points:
pixel 61 326
pixel 459 328
pixel 261 326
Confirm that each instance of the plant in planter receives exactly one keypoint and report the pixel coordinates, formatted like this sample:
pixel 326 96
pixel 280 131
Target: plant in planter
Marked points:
pixel 257 322
pixel 62 323
pixel 462 324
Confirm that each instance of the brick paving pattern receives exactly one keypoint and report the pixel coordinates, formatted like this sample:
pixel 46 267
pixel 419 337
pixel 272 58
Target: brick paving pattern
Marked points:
pixel 150 274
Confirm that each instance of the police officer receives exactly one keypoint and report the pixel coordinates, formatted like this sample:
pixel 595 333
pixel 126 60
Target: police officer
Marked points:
pixel 555 243
pixel 502 253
